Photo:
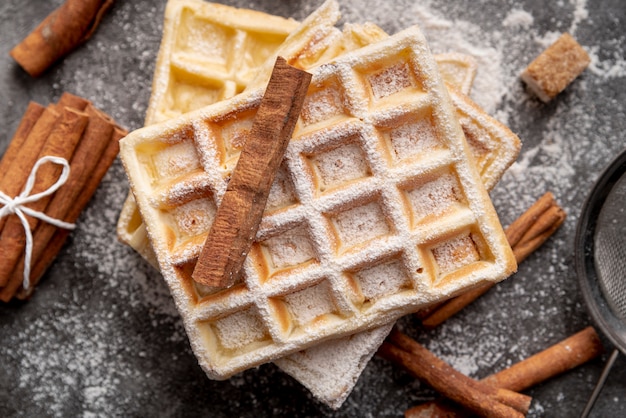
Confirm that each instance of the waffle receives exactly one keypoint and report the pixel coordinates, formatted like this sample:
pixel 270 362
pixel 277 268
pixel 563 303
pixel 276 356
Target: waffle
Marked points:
pixel 210 52
pixel 458 70
pixel 358 199
pixel 331 369
pixel 186 77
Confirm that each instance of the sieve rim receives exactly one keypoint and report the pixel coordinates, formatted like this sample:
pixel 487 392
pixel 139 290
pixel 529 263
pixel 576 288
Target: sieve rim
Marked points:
pixel 611 325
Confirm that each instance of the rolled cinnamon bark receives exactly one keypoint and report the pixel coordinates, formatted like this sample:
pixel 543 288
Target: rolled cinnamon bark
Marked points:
pixel 559 358
pixel 525 235
pixel 31 116
pixel 481 398
pixel 14 178
pixel 556 359
pixel 87 155
pixel 58 34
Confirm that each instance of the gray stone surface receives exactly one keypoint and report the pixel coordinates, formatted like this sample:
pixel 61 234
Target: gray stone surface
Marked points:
pixel 101 336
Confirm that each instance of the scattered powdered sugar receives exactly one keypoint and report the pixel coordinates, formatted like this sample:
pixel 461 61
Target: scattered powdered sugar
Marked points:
pixel 360 224
pixel 611 67
pixel 445 35
pixel 382 279
pixel 518 18
pixel 240 329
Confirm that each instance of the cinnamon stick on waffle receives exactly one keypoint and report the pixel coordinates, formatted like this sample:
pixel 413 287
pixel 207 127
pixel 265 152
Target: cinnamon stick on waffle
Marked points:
pixel 239 214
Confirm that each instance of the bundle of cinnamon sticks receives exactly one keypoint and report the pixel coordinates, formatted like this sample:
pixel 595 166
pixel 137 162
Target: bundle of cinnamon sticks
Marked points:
pixel 73 130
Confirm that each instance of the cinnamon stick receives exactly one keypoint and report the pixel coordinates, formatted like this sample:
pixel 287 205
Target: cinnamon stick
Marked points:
pixel 453 306
pixel 521 225
pixel 559 358
pixel 88 152
pixel 548 223
pixel 29 119
pixel 239 214
pixel 61 143
pixel 73 101
pixel 515 400
pixel 478 397
pixel 55 244
pixel 59 33
pixel 556 359
pixel 525 235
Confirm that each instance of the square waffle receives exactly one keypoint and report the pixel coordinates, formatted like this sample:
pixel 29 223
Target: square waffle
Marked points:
pixel 210 52
pixel 331 369
pixel 188 77
pixel 377 182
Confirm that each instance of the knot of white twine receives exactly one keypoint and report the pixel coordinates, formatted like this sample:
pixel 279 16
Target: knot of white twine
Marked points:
pixel 16 206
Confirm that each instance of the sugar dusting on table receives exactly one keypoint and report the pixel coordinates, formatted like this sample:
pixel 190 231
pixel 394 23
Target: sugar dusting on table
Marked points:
pixel 78 360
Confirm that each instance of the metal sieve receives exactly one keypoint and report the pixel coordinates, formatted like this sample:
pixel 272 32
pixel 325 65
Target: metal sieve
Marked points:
pixel 600 253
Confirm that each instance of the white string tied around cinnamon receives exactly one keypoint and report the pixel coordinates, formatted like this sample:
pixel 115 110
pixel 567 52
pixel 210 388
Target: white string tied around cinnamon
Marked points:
pixel 16 206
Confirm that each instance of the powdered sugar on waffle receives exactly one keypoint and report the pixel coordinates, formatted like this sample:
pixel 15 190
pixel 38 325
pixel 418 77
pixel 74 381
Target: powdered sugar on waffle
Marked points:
pixel 341 217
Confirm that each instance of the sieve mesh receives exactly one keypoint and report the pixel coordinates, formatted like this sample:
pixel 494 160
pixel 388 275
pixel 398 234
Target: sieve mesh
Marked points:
pixel 610 248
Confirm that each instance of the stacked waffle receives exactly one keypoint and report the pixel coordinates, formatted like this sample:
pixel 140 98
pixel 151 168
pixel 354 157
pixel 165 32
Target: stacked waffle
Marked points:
pixel 379 208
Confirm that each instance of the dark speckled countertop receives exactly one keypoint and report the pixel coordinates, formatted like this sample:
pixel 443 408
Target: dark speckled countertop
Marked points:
pixel 101 336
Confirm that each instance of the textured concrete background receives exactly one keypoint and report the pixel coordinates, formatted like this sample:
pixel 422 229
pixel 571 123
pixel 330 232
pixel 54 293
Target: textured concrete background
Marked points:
pixel 101 336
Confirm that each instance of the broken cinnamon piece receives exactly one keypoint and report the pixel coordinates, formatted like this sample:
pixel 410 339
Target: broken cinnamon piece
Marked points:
pixel 29 119
pixel 61 143
pixel 59 33
pixel 525 235
pixel 556 359
pixel 556 67
pixel 483 399
pixel 239 213
pixel 88 152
